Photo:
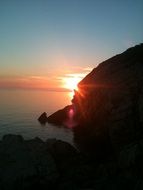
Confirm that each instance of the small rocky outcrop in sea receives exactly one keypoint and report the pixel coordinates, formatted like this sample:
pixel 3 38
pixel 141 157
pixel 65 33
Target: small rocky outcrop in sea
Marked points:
pixel 43 118
pixel 59 118
pixel 64 117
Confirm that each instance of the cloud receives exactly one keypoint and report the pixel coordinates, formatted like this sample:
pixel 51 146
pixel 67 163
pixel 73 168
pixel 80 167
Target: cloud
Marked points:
pixel 29 82
pixel 52 81
pixel 72 75
pixel 89 69
pixel 77 69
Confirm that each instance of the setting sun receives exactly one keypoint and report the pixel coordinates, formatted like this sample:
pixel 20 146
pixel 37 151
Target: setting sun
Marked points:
pixel 70 81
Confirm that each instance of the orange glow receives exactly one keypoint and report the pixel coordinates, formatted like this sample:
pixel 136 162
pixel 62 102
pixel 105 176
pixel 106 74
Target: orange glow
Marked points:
pixel 71 81
pixel 61 80
pixel 29 82
pixel 71 94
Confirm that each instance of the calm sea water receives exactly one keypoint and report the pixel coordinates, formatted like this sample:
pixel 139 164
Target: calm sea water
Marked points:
pixel 19 111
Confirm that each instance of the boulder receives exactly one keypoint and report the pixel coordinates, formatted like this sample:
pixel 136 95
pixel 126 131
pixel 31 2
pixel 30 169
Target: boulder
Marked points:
pixel 60 117
pixel 61 150
pixel 24 164
pixel 12 139
pixel 76 172
pixel 131 157
pixel 43 118
pixel 28 164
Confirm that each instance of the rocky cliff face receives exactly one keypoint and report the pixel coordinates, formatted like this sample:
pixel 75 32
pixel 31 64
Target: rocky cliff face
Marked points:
pixel 109 103
pixel 108 113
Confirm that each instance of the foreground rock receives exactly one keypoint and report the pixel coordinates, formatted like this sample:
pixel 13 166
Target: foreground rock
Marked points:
pixel 54 164
pixel 34 164
pixel 24 164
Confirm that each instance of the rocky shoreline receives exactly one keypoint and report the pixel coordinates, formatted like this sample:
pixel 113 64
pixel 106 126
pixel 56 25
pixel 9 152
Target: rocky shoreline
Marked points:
pixel 108 113
pixel 54 164
pixel 106 117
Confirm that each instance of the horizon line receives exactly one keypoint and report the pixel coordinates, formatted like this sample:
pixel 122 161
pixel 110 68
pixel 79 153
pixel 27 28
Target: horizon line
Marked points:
pixel 38 89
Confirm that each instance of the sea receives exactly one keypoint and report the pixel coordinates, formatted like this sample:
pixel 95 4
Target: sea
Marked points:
pixel 20 109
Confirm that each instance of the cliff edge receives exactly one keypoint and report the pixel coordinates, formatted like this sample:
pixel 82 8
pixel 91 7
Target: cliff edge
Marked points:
pixel 108 106
pixel 109 102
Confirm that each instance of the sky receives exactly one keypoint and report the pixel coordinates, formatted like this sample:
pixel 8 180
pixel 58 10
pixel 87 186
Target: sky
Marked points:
pixel 43 43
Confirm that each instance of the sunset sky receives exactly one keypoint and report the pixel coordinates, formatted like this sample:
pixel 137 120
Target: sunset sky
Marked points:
pixel 45 42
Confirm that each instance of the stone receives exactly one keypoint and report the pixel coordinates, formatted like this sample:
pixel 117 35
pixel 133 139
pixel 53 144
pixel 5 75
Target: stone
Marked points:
pixel 21 162
pixel 109 102
pixel 60 117
pixel 43 118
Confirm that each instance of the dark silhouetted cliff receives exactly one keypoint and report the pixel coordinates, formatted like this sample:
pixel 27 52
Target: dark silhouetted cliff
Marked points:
pixel 109 103
pixel 109 121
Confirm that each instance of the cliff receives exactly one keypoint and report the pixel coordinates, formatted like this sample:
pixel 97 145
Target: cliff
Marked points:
pixel 107 119
pixel 108 106
pixel 108 122
pixel 109 102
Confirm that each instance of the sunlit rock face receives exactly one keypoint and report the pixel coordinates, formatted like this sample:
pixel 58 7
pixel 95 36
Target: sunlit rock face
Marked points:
pixel 109 102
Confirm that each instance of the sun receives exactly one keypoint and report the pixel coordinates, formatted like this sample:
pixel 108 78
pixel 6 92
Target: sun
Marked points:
pixel 71 82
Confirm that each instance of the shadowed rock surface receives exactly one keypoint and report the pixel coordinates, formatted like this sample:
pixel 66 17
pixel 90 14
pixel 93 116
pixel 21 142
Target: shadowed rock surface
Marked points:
pixel 43 118
pixel 54 164
pixel 109 103
pixel 28 164
pixel 24 164
pixel 60 117
pixel 109 126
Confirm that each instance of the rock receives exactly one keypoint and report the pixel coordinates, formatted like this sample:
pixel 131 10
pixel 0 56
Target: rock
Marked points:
pixel 64 154
pixel 25 163
pixel 12 139
pixel 130 159
pixel 109 127
pixel 109 103
pixel 60 117
pixel 54 164
pixel 61 150
pixel 43 118
pixel 75 170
